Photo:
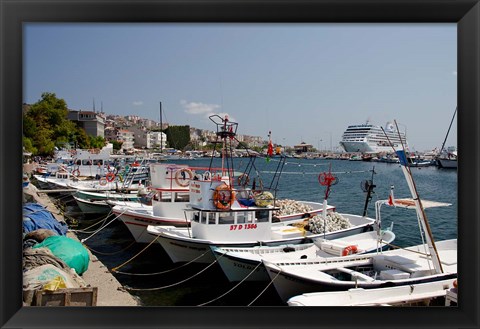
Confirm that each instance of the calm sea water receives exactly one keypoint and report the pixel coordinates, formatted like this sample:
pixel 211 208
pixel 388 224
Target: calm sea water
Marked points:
pixel 194 285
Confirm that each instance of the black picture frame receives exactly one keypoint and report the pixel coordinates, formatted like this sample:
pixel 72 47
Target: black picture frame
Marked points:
pixel 14 13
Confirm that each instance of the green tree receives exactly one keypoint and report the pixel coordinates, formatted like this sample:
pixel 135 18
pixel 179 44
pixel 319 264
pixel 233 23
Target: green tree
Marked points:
pixel 116 145
pixel 45 125
pixel 178 136
pixel 96 141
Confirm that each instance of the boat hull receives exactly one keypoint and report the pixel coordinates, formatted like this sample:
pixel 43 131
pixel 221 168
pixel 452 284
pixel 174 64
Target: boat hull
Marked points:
pixel 138 220
pixel 394 268
pixel 447 163
pixel 400 295
pixel 182 248
pixel 93 207
pixel 288 285
pixel 245 266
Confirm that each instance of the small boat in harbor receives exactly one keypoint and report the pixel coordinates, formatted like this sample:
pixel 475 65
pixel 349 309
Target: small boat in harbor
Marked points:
pixel 421 293
pixel 245 264
pixel 448 158
pixel 98 202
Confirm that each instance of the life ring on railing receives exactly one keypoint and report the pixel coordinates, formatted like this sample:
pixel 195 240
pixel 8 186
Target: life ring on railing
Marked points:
pixel 135 164
pixel 181 177
pixel 349 250
pixel 223 196
pixel 110 176
pixel 207 175
pixel 103 181
pixel 76 173
pixel 243 180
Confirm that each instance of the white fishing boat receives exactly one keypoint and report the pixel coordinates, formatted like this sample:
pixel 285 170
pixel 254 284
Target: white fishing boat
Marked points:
pixel 421 293
pixel 245 264
pixel 56 180
pixel 97 202
pixel 85 162
pixel 170 189
pixel 130 179
pixel 219 218
pixel 427 262
pixel 369 138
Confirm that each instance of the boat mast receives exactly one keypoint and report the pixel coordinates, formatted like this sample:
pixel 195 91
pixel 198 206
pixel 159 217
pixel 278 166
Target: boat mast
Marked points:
pixel 161 128
pixel 419 208
pixel 448 131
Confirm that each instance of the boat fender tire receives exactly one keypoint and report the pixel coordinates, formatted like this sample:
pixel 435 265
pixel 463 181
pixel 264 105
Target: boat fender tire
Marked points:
pixel 181 177
pixel 223 196
pixel 110 177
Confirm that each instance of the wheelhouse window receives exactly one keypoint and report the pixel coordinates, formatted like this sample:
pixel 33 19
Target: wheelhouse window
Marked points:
pixel 262 215
pixel 226 218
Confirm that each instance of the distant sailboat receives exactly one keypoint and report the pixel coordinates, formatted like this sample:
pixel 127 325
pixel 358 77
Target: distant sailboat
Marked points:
pixel 448 158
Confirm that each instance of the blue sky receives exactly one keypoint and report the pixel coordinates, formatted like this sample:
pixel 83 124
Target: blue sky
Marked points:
pixel 302 82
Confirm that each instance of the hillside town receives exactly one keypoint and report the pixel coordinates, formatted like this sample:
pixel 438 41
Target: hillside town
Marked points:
pixel 136 134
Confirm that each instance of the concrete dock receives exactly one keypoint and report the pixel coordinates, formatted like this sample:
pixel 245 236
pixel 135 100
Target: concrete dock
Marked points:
pixel 110 291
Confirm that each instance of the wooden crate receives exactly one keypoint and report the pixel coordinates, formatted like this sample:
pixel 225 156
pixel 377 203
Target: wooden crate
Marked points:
pixel 67 297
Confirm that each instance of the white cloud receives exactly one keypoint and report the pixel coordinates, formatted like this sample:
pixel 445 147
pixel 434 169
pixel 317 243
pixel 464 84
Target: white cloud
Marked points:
pixel 137 103
pixel 199 108
pixel 206 110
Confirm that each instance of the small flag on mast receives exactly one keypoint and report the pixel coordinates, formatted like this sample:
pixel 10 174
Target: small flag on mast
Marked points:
pixel 270 146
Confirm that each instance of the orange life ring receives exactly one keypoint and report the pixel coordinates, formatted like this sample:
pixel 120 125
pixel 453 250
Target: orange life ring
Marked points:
pixel 76 173
pixel 181 179
pixel 223 196
pixel 110 176
pixel 135 164
pixel 349 250
pixel 103 181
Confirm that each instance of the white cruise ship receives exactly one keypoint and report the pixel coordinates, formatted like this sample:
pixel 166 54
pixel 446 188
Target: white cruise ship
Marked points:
pixel 368 138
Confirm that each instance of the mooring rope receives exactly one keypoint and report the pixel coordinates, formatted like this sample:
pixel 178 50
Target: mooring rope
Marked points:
pixel 85 230
pixel 110 253
pixel 114 269
pixel 101 228
pixel 268 285
pixel 162 272
pixel 173 284
pixel 234 287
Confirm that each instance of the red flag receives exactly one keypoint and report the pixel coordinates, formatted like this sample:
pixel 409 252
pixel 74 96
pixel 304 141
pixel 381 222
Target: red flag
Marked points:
pixel 270 148
pixel 390 198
